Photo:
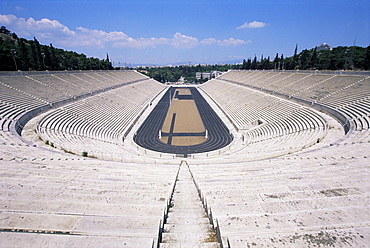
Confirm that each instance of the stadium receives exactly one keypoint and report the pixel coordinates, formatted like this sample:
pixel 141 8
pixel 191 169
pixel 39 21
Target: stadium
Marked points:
pixel 251 158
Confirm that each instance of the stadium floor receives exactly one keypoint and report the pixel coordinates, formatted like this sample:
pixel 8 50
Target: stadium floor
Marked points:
pixel 183 125
pixel 147 135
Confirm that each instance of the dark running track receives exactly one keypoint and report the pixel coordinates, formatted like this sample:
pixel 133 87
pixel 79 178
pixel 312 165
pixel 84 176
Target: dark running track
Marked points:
pixel 218 134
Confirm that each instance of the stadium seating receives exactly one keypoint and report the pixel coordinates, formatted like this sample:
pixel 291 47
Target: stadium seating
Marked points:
pixel 63 200
pixel 31 94
pixel 312 198
pixel 332 90
pixel 296 174
pixel 293 201
pixel 99 119
pixel 289 127
pixel 99 203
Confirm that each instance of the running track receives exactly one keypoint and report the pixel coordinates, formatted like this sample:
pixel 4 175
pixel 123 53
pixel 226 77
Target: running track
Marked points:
pixel 218 134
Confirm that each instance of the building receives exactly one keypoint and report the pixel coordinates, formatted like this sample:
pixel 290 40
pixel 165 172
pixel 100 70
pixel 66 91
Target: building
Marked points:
pixel 207 75
pixel 324 46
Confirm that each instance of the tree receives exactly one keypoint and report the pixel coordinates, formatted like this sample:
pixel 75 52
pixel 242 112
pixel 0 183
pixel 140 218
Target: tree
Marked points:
pixel 107 64
pixel 277 62
pixel 295 57
pixel 4 30
pixel 38 56
pixel 282 62
pixel 367 59
pixel 46 57
pixel 313 61
pixel 32 57
pixel 23 55
pixel 53 58
pixel 254 63
pixel 261 63
pixel 268 64
pixel 303 60
pixel 244 64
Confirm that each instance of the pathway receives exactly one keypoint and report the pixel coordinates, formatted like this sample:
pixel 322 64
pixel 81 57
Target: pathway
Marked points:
pixel 187 223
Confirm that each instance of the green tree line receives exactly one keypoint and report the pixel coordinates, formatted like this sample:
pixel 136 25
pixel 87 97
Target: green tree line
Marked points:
pixel 339 58
pixel 173 73
pixel 21 54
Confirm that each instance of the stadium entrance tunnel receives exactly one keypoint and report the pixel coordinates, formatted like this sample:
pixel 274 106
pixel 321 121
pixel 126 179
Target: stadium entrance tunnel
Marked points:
pixel 183 123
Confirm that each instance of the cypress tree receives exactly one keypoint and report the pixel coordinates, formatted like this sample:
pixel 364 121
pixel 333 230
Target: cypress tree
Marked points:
pixel 276 62
pixel 54 62
pixel 39 58
pixel 314 58
pixel 304 61
pixel 295 57
pixel 249 64
pixel 108 63
pixel 46 57
pixel 23 54
pixel 367 58
pixel 244 64
pixel 4 30
pixel 254 63
pixel 32 57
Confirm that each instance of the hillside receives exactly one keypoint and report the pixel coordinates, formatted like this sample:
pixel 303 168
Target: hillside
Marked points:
pixel 29 55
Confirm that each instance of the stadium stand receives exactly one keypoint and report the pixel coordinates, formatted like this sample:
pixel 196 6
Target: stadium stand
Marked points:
pixel 295 175
pixel 99 119
pixel 318 197
pixel 328 92
pixel 58 199
pixel 289 127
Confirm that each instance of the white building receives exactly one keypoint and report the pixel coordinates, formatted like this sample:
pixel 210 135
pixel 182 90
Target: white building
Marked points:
pixel 324 46
pixel 207 75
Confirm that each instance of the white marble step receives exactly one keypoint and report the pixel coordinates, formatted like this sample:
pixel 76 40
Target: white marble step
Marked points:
pixel 202 245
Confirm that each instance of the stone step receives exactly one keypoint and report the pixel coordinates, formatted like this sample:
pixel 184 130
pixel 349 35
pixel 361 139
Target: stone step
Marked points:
pixel 183 190
pixel 186 238
pixel 187 220
pixel 187 224
pixel 197 205
pixel 202 245
pixel 185 215
pixel 187 228
pixel 189 198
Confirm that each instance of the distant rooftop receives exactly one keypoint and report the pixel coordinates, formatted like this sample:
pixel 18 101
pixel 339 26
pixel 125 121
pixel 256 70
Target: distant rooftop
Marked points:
pixel 324 46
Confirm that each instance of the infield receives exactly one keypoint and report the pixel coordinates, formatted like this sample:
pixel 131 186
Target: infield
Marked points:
pixel 179 124
pixel 183 125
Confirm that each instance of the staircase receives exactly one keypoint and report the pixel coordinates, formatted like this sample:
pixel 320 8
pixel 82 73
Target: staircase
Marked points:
pixel 187 224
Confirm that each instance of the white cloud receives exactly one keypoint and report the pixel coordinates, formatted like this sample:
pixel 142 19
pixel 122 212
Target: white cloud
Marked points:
pixel 102 35
pixel 94 37
pixel 254 24
pixel 141 43
pixel 179 41
pixel 225 43
pixel 42 28
pixel 19 8
pixel 53 31
pixel 209 41
pixel 233 42
pixel 183 41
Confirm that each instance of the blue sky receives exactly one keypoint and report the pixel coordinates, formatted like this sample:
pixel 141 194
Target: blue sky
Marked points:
pixel 195 31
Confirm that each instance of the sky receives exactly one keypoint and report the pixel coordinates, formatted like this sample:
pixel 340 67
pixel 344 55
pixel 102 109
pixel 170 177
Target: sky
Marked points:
pixel 163 32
